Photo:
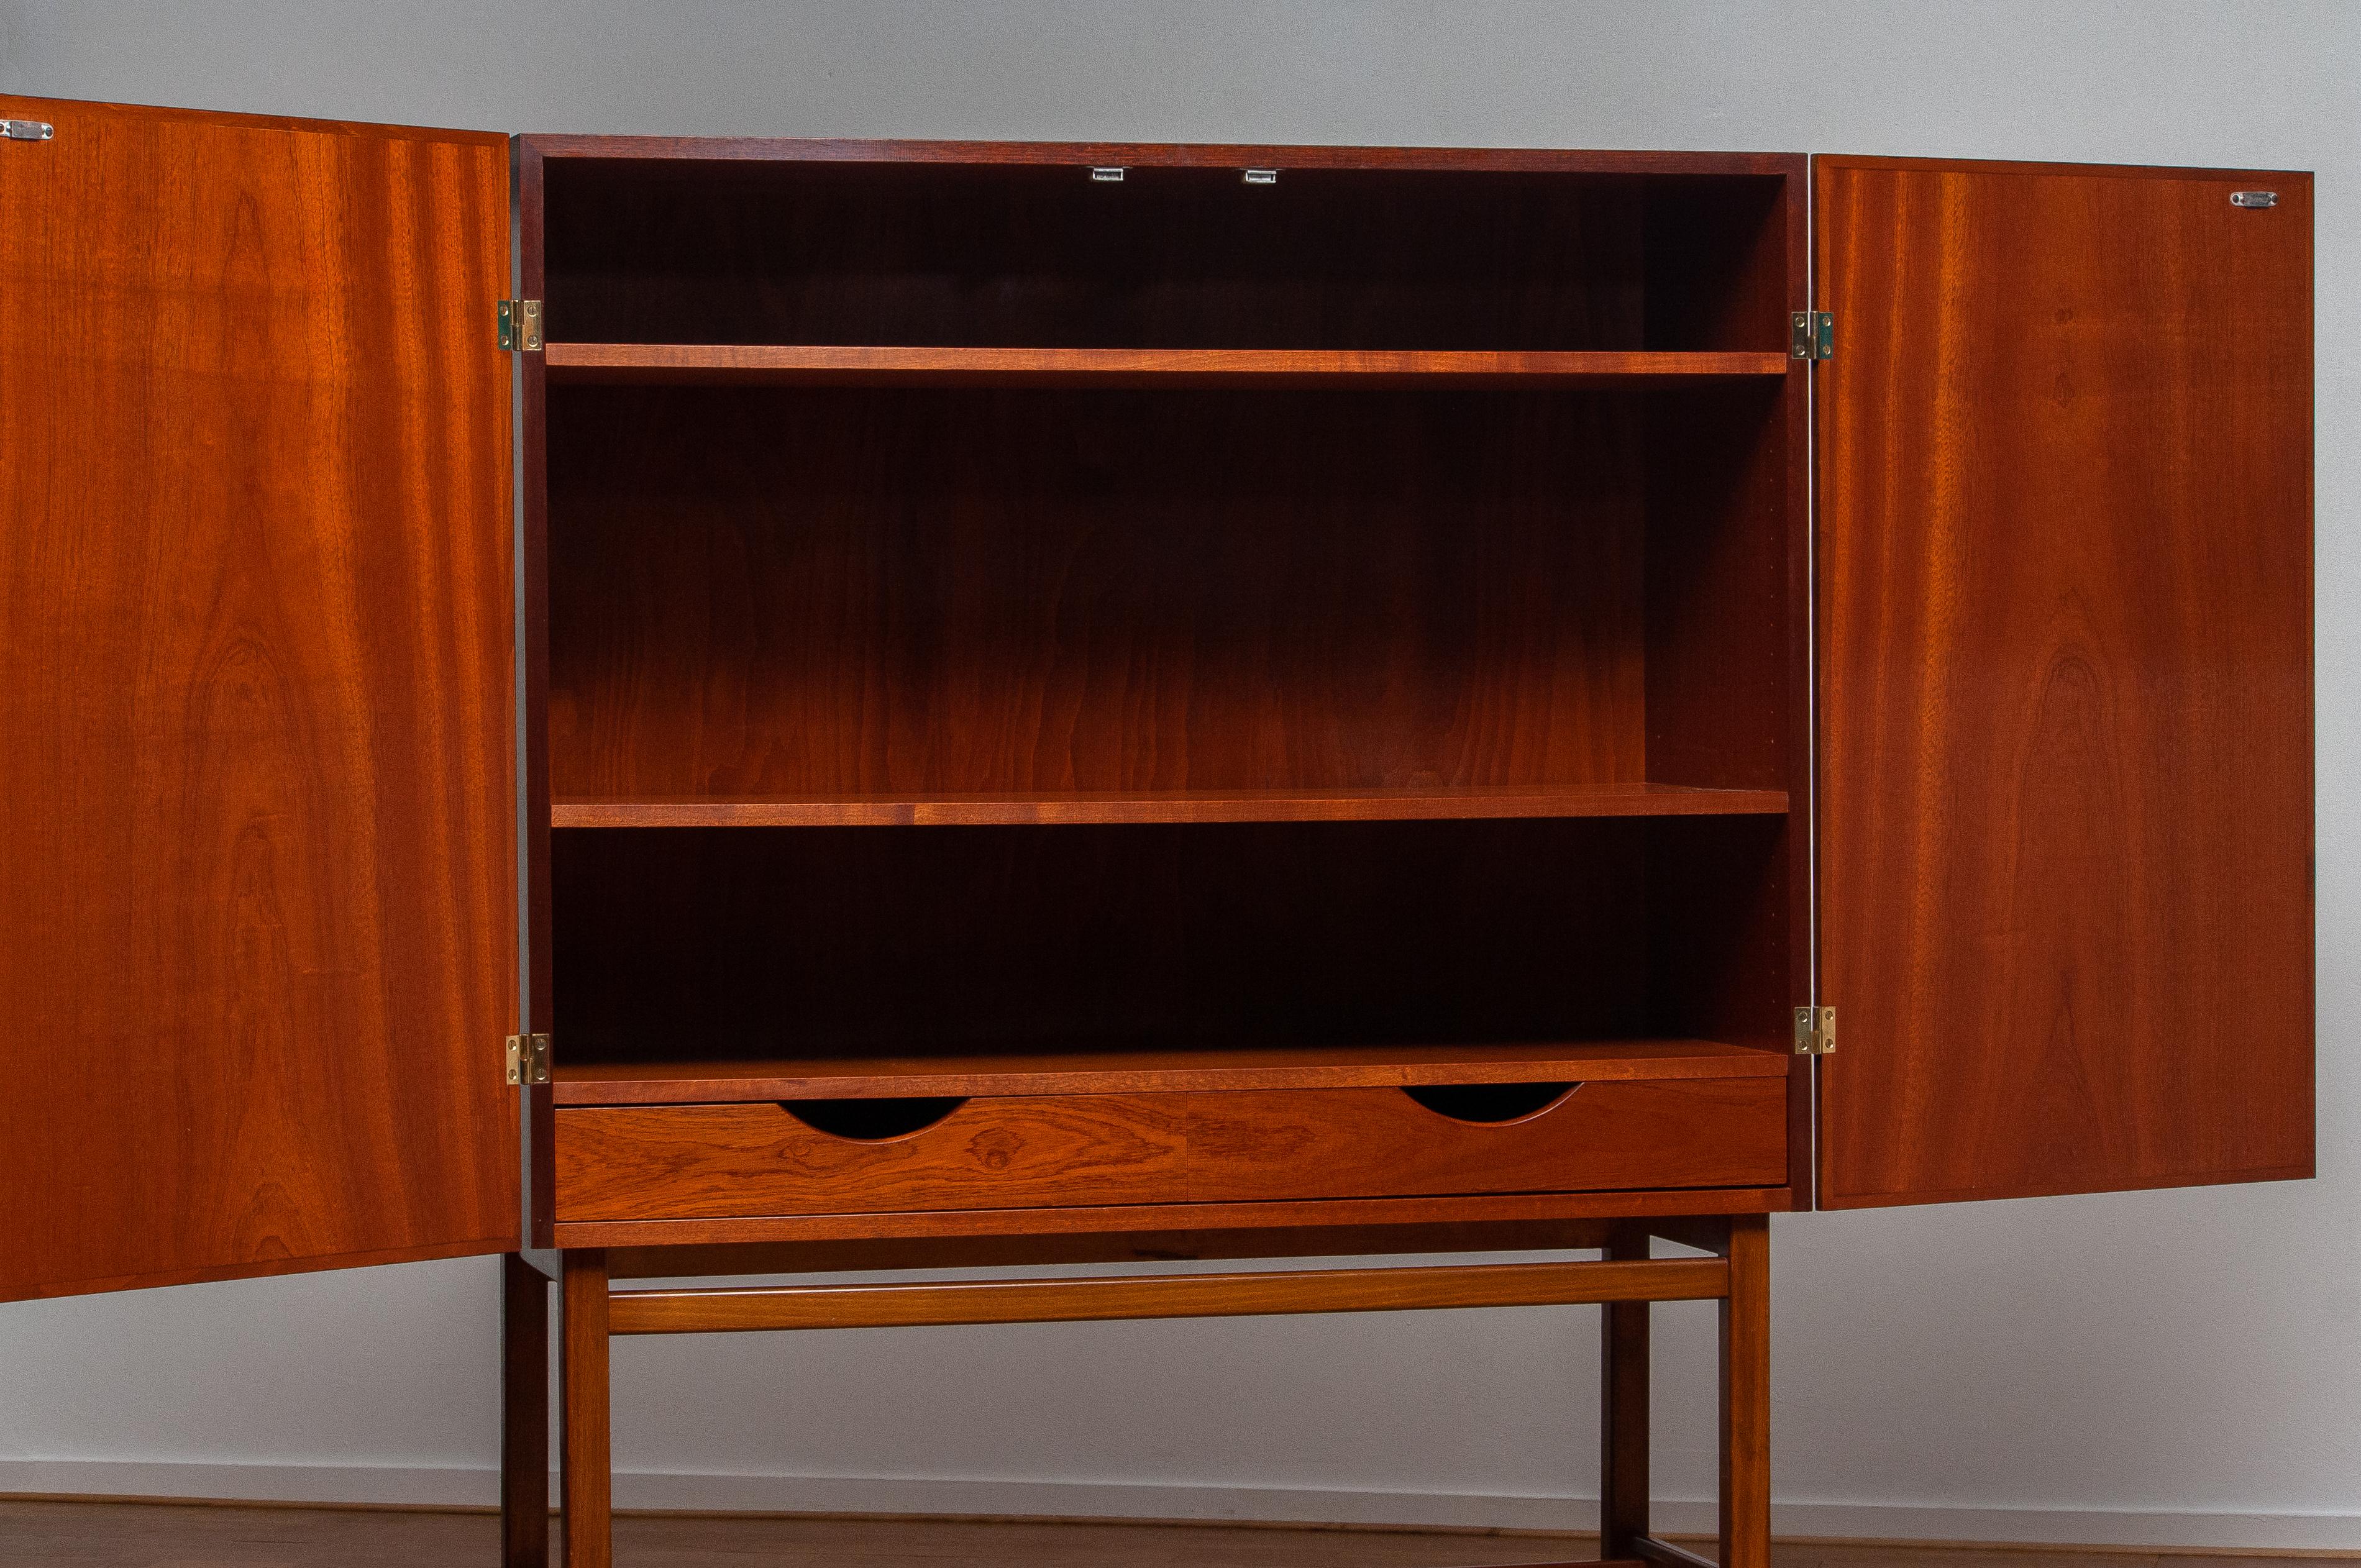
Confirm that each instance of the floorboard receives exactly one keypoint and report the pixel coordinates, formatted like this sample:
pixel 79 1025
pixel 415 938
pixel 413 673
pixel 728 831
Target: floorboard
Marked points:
pixel 82 1534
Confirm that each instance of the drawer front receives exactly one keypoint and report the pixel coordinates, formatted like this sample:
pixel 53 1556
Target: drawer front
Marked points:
pixel 748 1160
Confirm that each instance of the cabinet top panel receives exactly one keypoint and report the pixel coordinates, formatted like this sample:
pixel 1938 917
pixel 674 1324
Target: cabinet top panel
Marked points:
pixel 1180 155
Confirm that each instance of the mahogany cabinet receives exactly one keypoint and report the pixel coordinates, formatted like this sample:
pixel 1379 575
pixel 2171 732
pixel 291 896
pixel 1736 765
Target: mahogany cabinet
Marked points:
pixel 942 702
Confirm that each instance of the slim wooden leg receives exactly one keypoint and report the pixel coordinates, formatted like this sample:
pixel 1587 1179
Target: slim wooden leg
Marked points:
pixel 1623 1412
pixel 1746 1397
pixel 525 1415
pixel 586 1470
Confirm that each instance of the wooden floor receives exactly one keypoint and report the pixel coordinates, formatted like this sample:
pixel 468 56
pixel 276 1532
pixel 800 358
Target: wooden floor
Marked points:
pixel 162 1535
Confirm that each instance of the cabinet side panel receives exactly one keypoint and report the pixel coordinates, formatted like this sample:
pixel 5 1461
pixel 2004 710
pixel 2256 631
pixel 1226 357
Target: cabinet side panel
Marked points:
pixel 2065 635
pixel 256 884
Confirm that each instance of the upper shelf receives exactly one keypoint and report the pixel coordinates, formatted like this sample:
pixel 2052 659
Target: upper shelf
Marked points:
pixel 1433 803
pixel 826 364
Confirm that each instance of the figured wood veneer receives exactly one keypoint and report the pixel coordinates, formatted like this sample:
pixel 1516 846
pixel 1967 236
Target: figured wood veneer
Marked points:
pixel 257 901
pixel 2066 819
pixel 1101 1150
pixel 783 592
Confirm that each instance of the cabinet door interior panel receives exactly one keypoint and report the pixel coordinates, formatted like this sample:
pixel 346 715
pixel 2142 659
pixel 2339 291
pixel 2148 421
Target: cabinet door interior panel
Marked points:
pixel 258 910
pixel 2065 624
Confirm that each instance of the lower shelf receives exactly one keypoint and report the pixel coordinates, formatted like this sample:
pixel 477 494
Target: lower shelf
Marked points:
pixel 681 1082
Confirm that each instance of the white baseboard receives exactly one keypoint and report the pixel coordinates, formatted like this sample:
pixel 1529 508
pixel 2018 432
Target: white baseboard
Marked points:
pixel 1090 1499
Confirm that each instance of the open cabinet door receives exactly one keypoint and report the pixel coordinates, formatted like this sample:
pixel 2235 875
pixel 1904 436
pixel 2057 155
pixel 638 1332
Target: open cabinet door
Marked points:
pixel 2065 676
pixel 258 906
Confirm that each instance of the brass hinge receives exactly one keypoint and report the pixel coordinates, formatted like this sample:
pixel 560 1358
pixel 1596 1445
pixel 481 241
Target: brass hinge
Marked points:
pixel 520 325
pixel 1811 334
pixel 1816 1031
pixel 528 1059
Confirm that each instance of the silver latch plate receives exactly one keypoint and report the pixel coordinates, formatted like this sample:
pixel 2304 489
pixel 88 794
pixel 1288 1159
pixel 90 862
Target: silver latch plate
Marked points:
pixel 1262 176
pixel 28 130
pixel 2253 198
pixel 1106 174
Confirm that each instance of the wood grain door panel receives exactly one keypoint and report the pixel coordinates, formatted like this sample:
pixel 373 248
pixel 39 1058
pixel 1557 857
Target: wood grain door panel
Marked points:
pixel 2065 787
pixel 1059 1151
pixel 258 901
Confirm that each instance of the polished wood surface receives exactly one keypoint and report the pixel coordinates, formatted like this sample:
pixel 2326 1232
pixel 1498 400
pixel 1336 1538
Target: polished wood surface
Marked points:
pixel 793 246
pixel 148 1534
pixel 524 1414
pixel 2065 613
pixel 830 604
pixel 1589 1061
pixel 1097 1150
pixel 586 1462
pixel 258 939
pixel 895 592
pixel 1745 1334
pixel 820 945
pixel 853 365
pixel 1120 1246
pixel 1399 804
pixel 1490 1209
pixel 533 740
pixel 1415 1289
pixel 1623 1393
pixel 1728 693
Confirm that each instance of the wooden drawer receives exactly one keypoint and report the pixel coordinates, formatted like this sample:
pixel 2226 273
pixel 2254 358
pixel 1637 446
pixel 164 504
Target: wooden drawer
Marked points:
pixel 1054 1151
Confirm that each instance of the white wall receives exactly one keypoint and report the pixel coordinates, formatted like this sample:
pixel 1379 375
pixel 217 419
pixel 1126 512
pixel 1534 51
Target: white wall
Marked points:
pixel 2171 1368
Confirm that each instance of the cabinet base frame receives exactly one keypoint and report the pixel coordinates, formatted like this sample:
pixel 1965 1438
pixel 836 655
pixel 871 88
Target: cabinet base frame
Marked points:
pixel 1626 1280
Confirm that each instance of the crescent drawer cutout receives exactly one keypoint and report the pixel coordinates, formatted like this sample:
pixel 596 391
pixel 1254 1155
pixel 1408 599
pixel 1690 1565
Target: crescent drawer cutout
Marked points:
pixel 1491 1103
pixel 872 1121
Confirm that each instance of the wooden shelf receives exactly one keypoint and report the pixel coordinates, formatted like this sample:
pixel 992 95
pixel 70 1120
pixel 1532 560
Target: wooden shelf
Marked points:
pixel 1136 1073
pixel 833 365
pixel 1162 806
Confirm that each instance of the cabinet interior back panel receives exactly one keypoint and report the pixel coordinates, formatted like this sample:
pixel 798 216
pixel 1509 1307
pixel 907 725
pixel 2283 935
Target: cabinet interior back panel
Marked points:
pixel 707 944
pixel 1041 255
pixel 775 591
